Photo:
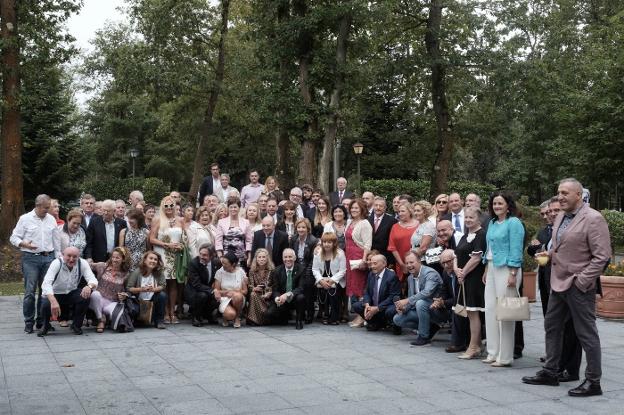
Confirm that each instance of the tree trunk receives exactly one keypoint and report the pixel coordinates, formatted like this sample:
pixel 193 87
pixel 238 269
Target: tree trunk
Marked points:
pixel 201 156
pixel 307 166
pixel 282 139
pixel 331 129
pixel 11 148
pixel 444 147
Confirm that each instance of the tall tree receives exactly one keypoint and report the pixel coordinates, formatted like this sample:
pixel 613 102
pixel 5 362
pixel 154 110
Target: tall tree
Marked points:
pixel 12 178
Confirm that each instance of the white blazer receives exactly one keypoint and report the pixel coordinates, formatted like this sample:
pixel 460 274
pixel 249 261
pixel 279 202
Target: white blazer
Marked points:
pixel 337 265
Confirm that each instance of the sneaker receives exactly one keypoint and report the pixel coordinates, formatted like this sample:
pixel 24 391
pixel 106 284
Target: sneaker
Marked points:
pixel 420 341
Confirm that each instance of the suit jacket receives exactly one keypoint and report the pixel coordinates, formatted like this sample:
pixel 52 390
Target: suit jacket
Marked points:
pixel 205 189
pixel 277 281
pixel 335 200
pixel 429 282
pixel 83 224
pixel 96 238
pixel 308 251
pixel 198 277
pixel 280 242
pixel 582 253
pixel 382 236
pixel 544 236
pixel 448 290
pixel 390 288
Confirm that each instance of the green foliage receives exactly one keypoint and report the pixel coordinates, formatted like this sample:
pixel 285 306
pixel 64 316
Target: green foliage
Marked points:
pixel 153 188
pixel 419 189
pixel 615 220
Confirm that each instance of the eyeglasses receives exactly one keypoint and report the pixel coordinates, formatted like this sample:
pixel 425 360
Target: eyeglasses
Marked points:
pixel 441 202
pixel 447 262
pixel 169 206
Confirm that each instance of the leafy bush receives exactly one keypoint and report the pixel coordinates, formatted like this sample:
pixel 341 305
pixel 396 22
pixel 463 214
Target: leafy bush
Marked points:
pixel 615 220
pixel 419 189
pixel 153 188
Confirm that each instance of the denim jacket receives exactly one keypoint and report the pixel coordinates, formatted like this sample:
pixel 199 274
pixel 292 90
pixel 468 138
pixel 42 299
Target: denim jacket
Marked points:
pixel 506 241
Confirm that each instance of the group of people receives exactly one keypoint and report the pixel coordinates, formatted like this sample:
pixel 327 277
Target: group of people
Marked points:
pixel 258 257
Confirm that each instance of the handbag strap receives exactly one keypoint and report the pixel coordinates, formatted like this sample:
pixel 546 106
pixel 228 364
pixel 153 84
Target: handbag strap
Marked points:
pixel 463 293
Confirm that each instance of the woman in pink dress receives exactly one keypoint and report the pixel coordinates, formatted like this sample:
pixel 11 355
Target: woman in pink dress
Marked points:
pixel 358 240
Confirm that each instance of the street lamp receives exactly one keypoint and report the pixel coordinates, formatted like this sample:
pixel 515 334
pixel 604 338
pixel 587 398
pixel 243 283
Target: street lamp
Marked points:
pixel 134 153
pixel 357 149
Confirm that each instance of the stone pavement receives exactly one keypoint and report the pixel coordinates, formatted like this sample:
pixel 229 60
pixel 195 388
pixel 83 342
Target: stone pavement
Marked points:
pixel 319 370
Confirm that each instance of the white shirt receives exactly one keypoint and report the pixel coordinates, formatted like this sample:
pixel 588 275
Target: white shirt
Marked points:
pixel 457 236
pixel 43 233
pixel 110 235
pixel 216 183
pixel 87 219
pixel 146 282
pixel 67 279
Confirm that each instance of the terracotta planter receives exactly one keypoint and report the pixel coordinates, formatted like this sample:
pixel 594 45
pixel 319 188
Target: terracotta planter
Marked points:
pixel 611 304
pixel 529 285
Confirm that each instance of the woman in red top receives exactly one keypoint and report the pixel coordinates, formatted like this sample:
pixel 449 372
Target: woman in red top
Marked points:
pixel 401 233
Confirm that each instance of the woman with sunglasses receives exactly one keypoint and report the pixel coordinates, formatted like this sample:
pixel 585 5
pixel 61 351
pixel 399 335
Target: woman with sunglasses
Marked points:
pixel 440 208
pixel 166 238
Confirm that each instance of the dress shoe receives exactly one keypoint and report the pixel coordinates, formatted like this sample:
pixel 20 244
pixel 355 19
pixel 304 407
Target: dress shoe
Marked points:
pixel 517 355
pixel 455 349
pixel 77 330
pixel 587 388
pixel 197 322
pixel 44 331
pixel 565 376
pixel 29 328
pixel 397 330
pixel 489 360
pixel 372 327
pixel 542 377
pixel 39 325
pixel 420 341
pixel 299 325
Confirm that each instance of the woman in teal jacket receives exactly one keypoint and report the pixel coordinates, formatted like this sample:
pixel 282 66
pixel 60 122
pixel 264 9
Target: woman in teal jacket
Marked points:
pixel 505 241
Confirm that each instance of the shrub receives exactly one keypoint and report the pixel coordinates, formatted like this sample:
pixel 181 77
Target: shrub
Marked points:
pixel 153 188
pixel 615 220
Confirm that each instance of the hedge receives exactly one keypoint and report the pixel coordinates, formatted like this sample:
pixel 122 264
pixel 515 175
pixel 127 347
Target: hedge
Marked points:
pixel 419 189
pixel 615 220
pixel 153 188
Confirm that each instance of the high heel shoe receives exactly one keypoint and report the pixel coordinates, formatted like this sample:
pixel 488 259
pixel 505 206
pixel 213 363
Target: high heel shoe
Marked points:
pixel 489 360
pixel 471 353
pixel 357 322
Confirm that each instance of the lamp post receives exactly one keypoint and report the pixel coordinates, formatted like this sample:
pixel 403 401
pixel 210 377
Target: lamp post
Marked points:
pixel 134 153
pixel 357 149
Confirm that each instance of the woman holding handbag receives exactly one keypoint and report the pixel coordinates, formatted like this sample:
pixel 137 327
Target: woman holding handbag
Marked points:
pixel 505 239
pixel 329 267
pixel 147 282
pixel 470 269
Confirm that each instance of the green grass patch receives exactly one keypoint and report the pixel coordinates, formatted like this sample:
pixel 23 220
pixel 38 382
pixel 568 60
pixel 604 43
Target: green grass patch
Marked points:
pixel 11 288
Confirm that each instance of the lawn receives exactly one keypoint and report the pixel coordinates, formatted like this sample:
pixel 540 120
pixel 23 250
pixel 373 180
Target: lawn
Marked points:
pixel 11 288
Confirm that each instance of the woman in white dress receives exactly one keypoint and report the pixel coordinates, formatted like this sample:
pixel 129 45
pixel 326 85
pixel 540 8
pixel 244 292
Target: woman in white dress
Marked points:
pixel 230 289
pixel 166 238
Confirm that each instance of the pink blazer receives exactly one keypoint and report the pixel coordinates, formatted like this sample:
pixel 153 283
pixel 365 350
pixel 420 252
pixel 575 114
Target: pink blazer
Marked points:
pixel 581 255
pixel 224 224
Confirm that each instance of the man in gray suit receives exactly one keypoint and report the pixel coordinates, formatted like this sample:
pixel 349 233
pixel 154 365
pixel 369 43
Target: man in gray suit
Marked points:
pixel 580 250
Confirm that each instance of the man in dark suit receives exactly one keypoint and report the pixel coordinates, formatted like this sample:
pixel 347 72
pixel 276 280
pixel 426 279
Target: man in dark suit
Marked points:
pixel 341 192
pixel 382 225
pixel 210 183
pixel 87 205
pixel 199 291
pixel 270 239
pixel 580 250
pixel 541 244
pixel 103 233
pixel 286 283
pixel 382 290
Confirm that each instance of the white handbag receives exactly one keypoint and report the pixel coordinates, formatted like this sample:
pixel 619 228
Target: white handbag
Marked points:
pixel 513 308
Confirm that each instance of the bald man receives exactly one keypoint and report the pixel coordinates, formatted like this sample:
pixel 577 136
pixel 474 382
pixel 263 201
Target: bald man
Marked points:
pixel 61 287
pixel 382 290
pixel 273 240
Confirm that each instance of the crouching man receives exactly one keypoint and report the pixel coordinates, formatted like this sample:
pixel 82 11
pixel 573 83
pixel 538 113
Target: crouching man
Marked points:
pixel 61 288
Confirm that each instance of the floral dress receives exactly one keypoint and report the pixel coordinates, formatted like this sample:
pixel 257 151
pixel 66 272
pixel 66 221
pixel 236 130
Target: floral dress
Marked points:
pixel 234 241
pixel 170 235
pixel 136 243
pixel 257 305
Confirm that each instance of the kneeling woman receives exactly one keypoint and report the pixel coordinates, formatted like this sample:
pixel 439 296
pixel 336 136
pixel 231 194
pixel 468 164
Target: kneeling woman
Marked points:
pixel 329 268
pixel 111 276
pixel 230 289
pixel 148 282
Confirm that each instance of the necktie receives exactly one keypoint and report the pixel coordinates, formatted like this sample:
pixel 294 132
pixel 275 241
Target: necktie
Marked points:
pixel 289 281
pixel 340 194
pixel 458 227
pixel 377 220
pixel 268 245
pixel 376 291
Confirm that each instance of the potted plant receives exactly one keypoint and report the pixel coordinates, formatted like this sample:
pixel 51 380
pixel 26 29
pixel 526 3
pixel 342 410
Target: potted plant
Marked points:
pixel 611 303
pixel 529 277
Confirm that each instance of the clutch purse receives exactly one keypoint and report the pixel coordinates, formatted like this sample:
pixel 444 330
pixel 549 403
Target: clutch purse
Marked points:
pixel 355 263
pixel 513 308
pixel 432 255
pixel 460 309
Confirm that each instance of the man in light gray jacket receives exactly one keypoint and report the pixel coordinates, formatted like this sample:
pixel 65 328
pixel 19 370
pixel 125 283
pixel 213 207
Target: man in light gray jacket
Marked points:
pixel 419 310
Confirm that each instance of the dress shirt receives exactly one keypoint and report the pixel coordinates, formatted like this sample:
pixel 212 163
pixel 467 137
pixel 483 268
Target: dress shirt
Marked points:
pixel 87 218
pixel 216 183
pixel 377 222
pixel 110 235
pixel 379 278
pixel 300 211
pixel 455 217
pixel 250 193
pixel 567 218
pixel 67 279
pixel 43 233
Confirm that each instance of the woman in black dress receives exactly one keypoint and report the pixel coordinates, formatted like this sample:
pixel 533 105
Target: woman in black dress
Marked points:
pixel 470 274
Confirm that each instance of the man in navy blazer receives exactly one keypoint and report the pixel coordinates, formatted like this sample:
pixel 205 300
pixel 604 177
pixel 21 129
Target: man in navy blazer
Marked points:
pixel 382 290
pixel 103 233
pixel 382 225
